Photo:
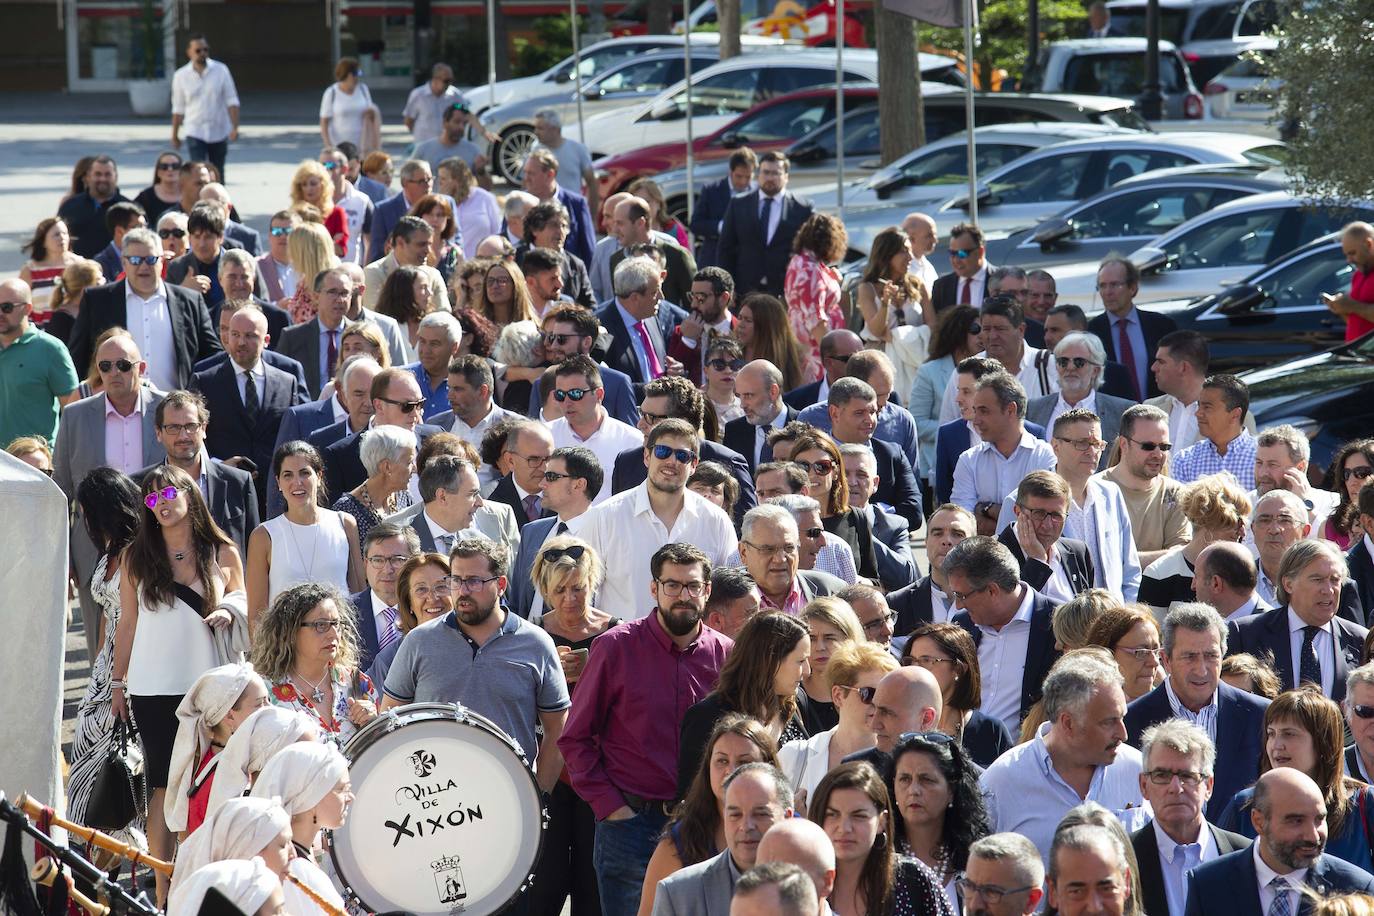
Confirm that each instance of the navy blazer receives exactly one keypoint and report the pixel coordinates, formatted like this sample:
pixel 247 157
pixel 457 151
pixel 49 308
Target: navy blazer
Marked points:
pixel 1146 845
pixel 232 500
pixel 1153 325
pixel 368 641
pixel 892 550
pixel 630 471
pixel 1073 555
pixel 711 204
pixel 1264 633
pixel 740 435
pixel 803 396
pixel 194 336
pixel 250 240
pixel 521 592
pixel 1230 884
pixel 754 264
pixel 951 441
pixel 621 353
pixel 343 463
pixel 328 435
pixel 1040 651
pixel 619 400
pixel 1240 737
pixel 581 239
pixel 271 358
pixel 1362 574
pixel 912 605
pixel 896 482
pixel 232 431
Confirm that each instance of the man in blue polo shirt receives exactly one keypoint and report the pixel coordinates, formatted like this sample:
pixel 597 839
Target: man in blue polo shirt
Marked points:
pixel 37 377
pixel 493 662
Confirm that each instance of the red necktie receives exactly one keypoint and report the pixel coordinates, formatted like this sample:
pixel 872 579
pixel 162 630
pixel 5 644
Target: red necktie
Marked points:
pixel 1123 345
pixel 966 294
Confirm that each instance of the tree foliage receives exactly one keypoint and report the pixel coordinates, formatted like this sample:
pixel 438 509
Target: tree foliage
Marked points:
pixel 1001 39
pixel 1323 63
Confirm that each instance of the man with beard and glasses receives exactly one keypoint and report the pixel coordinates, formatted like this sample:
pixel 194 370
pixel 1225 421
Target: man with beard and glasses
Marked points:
pixel 1269 878
pixel 621 740
pixel 1004 877
pixel 629 527
pixel 493 662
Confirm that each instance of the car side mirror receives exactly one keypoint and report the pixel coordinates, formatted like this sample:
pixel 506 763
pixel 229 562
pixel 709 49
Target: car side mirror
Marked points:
pixel 1052 231
pixel 806 152
pixel 1237 300
pixel 1150 260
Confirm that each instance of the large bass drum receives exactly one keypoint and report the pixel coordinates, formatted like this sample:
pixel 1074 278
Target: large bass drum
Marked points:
pixel 446 817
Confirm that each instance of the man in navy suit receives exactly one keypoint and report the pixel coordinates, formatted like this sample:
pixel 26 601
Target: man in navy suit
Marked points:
pixel 758 385
pixel 385 550
pixel 541 180
pixel 1289 815
pixel 995 597
pixel 756 237
pixel 708 217
pixel 891 538
pixel 1306 639
pixel 1118 282
pixel 396 401
pixel 274 359
pixel 1359 559
pixel 1194 644
pixel 417 180
pixel 568 331
pixel 638 322
pixel 577 479
pixel 530 444
pixel 852 405
pixel 928 599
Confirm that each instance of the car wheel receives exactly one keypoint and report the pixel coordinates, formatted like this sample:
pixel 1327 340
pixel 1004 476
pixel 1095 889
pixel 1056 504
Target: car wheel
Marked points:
pixel 677 208
pixel 512 150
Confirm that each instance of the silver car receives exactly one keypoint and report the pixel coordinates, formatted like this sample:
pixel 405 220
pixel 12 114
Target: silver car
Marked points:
pixel 632 80
pixel 1115 67
pixel 1245 91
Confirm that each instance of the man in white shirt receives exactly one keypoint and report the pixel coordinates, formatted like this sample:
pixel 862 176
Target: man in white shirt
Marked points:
pixel 585 422
pixel 920 231
pixel 206 102
pixel 424 112
pixel 386 549
pixel 1004 339
pixel 1282 454
pixel 451 494
pixel 1180 368
pixel 356 205
pixel 1007 453
pixel 1225 577
pixel 630 527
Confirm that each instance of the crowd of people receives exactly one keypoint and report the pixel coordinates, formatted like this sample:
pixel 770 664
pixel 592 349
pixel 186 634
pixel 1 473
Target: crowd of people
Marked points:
pixel 645 500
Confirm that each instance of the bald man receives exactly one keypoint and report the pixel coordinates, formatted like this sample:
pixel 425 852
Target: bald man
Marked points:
pixel 599 270
pixel 1225 577
pixel 1357 306
pixel 758 385
pixel 920 230
pixel 836 348
pixel 37 375
pixel 804 844
pixel 907 700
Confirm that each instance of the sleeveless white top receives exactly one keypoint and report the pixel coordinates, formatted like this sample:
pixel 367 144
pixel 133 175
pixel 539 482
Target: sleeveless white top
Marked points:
pixel 307 553
pixel 173 646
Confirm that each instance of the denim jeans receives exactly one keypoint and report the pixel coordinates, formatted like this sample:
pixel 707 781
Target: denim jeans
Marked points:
pixel 622 856
pixel 213 153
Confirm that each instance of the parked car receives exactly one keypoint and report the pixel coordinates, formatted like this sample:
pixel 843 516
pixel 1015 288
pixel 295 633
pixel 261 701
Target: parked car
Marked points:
pixel 1051 179
pixel 592 61
pixel 731 87
pixel 1211 34
pixel 1217 249
pixel 627 82
pixel 1114 67
pixel 1131 213
pixel 1245 91
pixel 814 27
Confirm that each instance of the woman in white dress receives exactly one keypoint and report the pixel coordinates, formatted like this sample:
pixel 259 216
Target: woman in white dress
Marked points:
pixel 307 543
pixel 346 109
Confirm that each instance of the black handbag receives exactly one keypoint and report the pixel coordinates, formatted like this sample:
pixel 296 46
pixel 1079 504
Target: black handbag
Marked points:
pixel 120 790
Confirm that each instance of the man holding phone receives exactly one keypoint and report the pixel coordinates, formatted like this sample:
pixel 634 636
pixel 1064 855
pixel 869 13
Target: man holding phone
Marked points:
pixel 1356 307
pixel 709 317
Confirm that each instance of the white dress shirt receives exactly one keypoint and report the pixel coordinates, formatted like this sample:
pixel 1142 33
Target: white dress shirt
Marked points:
pixel 1058 587
pixel 983 475
pixel 1175 859
pixel 976 283
pixel 1264 875
pixel 1002 660
pixel 941 605
pixel 124 438
pixel 626 533
pixel 259 372
pixel 1183 424
pixel 610 439
pixel 1324 644
pixel 1062 406
pixel 1246 609
pixel 438 531
pixel 922 268
pixel 203 100
pixel 150 322
pixel 286 276
pixel 340 414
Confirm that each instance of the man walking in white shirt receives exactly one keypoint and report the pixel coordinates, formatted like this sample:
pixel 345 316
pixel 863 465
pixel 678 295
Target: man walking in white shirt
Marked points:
pixel 205 102
pixel 585 422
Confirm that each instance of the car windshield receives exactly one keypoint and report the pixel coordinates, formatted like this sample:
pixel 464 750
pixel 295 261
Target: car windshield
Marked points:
pixel 1235 239
pixel 595 62
pixel 1054 177
pixel 649 75
pixel 860 135
pixel 1126 117
pixel 1275 154
pixel 1131 21
pixel 1301 282
pixel 949 165
pixel 1119 74
pixel 1147 212
pixel 1215 22
pixel 785 120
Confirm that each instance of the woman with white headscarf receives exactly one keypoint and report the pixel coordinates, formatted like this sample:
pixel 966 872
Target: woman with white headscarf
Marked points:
pixel 243 828
pixel 311 782
pixel 254 743
pixel 207 716
pixel 249 886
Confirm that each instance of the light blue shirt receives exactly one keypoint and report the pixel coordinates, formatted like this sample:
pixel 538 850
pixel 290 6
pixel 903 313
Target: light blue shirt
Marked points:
pixel 636 342
pixel 1026 795
pixel 984 476
pixel 436 396
pixel 1136 335
pixel 895 425
pixel 1175 860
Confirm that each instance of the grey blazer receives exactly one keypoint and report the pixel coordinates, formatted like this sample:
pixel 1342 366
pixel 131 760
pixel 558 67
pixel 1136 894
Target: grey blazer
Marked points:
pixel 703 889
pixel 495 520
pixel 1109 411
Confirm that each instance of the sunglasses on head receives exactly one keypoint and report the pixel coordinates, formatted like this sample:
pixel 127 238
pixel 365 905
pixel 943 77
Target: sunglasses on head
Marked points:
pixel 575 394
pixel 279 231
pixel 138 260
pixel 819 466
pixel 172 233
pixel 684 456
pixel 166 494
pixel 720 365
pixel 1360 473
pixel 123 365
pixel 573 553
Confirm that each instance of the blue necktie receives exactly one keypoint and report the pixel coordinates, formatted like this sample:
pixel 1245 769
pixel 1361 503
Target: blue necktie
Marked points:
pixel 766 217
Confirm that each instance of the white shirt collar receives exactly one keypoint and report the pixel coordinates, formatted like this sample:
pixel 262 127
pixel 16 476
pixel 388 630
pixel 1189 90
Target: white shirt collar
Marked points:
pixel 1296 878
pixel 159 293
pixel 1023 612
pixel 1168 846
pixel 435 528
pixel 1088 403
pixel 378 605
pixel 1296 624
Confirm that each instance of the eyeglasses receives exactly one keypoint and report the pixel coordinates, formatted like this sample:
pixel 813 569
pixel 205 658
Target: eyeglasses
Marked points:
pixel 166 494
pixel 557 340
pixel 168 166
pixel 1359 473
pixel 172 233
pixel 182 429
pixel 964 596
pixel 1189 779
pixel 1039 515
pixel 812 533
pixel 881 622
pixel 652 419
pixel 1078 362
pixel 422 592
pixel 576 394
pixel 498 281
pixel 865 693
pixel 396 562
pixel 574 553
pixel 1286 520
pixel 554 476
pixel 531 461
pixel 683 455
pixel 278 231
pixel 321 627
pixel 123 365
pixel 772 550
pixel 1362 712
pixel 1162 446
pixel 720 365
pixel 467 583
pixel 672 588
pixel 426 180
pixel 1141 653
pixel 138 260
pixel 821 466
pixel 1083 445
pixel 930 661
pixel 961 253
pixel 406 406
pixel 701 297
pixel 991 893
pixel 8 307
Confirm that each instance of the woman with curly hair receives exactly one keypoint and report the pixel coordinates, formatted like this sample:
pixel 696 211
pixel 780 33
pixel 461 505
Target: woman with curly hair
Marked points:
pixel 1350 470
pixel 696 831
pixel 311 186
pixel 939 807
pixel 812 286
pixel 819 456
pixel 888 296
pixel 1217 507
pixel 479 334
pixel 763 331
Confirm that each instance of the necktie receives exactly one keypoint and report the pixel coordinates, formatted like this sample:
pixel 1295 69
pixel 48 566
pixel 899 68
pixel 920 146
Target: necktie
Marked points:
pixel 444 542
pixel 655 368
pixel 766 217
pixel 333 355
pixel 966 294
pixel 389 633
pixel 561 529
pixel 765 450
pixel 531 504
pixel 1127 352
pixel 1281 905
pixel 1309 669
pixel 250 395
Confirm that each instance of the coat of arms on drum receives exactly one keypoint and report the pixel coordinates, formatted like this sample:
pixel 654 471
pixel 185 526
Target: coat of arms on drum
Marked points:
pixel 448 880
pixel 423 762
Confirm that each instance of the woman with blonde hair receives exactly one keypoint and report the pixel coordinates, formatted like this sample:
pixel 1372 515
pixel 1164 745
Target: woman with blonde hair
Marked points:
pixel 763 330
pixel 311 250
pixel 812 286
pixel 479 215
pixel 1218 508
pixel 888 296
pixel 312 186
pixel 68 291
pixel 33 451
pixel 830 623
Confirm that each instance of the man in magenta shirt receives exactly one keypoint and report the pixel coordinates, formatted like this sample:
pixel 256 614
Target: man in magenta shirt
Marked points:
pixel 620 742
pixel 1357 307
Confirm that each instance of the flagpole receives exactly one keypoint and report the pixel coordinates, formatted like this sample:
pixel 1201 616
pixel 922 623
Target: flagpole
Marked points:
pixel 968 112
pixel 577 74
pixel 839 104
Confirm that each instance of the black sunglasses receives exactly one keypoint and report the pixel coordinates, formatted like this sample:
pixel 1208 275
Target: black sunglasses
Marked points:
pixel 123 365
pixel 720 365
pixel 554 476
pixel 8 307
pixel 172 233
pixel 813 533
pixel 1362 712
pixel 975 328
pixel 1360 473
pixel 573 553
pixel 866 694
pixel 575 394
pixel 406 406
pixel 1078 362
pixel 1151 446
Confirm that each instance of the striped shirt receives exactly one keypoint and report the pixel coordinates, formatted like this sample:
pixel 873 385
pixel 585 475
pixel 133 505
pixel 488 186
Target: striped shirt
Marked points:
pixel 1202 458
pixel 1205 718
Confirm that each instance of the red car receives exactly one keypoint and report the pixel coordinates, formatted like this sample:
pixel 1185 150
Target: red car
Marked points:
pixel 770 125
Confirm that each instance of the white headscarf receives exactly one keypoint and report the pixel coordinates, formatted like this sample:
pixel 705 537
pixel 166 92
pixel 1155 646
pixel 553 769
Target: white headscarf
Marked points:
pixel 207 702
pixel 240 829
pixel 261 735
pixel 301 776
pixel 247 885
